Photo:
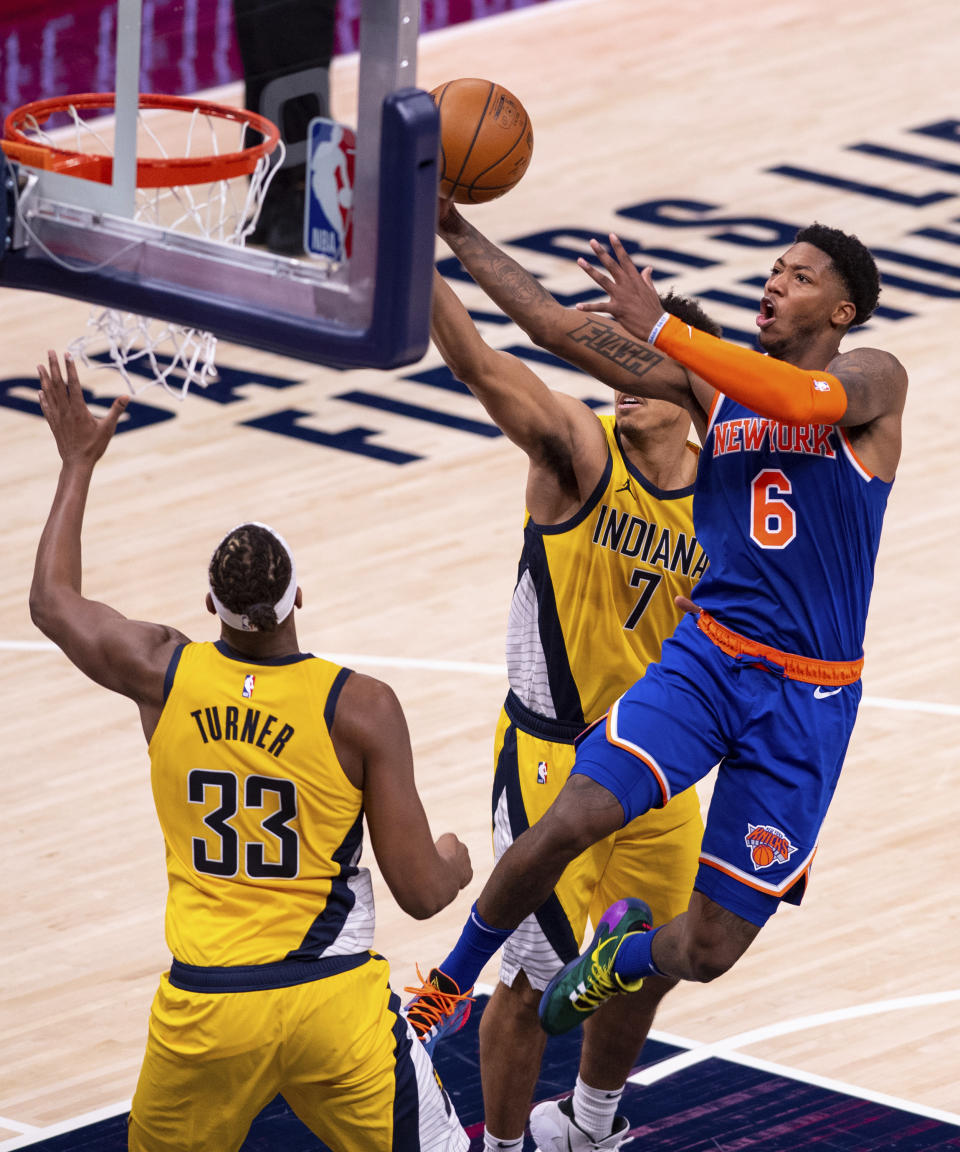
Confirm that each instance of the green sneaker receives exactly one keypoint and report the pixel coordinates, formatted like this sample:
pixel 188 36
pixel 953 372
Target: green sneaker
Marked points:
pixel 581 986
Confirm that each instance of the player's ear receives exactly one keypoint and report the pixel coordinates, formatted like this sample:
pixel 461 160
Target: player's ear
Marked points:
pixel 209 603
pixel 844 314
pixel 298 599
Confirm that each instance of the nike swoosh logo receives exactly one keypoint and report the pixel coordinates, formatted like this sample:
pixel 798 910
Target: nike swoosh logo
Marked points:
pixel 820 694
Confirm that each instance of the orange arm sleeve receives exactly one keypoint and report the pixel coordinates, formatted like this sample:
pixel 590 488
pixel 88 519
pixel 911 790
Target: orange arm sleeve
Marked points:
pixel 766 386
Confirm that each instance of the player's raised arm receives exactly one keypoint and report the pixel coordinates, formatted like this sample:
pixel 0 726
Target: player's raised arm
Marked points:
pixel 559 433
pixel 126 656
pixel 372 743
pixel 599 345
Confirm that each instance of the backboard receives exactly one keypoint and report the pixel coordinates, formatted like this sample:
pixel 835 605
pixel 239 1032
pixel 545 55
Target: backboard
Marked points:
pixel 76 237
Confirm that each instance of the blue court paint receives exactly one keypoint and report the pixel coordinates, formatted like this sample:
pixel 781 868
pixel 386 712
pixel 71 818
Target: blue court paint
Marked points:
pixel 717 1105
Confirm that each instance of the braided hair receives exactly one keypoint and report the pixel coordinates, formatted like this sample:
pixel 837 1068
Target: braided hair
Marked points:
pixel 249 573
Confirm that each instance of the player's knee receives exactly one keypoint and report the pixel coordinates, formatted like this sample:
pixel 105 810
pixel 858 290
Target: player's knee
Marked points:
pixel 583 813
pixel 520 996
pixel 711 939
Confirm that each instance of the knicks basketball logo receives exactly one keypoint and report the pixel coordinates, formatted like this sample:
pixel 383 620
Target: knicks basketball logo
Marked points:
pixel 767 845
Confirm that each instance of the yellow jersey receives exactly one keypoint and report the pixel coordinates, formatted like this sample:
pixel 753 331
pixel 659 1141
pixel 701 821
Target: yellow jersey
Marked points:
pixel 595 595
pixel 263 830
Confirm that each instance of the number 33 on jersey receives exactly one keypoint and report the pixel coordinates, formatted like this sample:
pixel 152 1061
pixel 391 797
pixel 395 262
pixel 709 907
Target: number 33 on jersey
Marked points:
pixel 261 824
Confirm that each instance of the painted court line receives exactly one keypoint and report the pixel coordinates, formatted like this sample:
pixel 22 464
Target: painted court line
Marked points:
pixel 35 1135
pixel 695 1054
pixel 831 1085
pixel 469 667
pixel 812 1078
pixel 728 1049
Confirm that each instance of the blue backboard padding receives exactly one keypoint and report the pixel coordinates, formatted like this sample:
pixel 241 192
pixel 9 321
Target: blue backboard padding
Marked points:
pixel 399 328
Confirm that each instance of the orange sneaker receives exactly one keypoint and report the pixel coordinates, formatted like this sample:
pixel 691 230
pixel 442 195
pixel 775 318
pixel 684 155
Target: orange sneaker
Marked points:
pixel 438 1008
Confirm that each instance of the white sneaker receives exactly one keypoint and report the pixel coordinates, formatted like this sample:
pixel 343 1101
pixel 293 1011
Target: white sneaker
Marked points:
pixel 554 1129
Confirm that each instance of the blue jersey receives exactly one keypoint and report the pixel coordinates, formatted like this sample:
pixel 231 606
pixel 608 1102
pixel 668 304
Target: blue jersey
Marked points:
pixel 790 520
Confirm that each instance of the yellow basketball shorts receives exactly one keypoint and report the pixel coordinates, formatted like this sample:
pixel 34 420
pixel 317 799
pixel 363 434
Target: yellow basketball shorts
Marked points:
pixel 336 1048
pixel 655 857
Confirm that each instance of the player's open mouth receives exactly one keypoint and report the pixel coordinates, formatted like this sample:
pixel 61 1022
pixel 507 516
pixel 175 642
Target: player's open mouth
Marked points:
pixel 766 317
pixel 630 401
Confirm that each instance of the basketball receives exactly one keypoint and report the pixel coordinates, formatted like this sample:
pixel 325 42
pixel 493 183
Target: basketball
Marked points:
pixel 485 140
pixel 762 855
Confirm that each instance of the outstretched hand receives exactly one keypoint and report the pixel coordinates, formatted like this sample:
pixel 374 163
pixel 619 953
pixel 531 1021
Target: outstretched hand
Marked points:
pixel 81 437
pixel 631 296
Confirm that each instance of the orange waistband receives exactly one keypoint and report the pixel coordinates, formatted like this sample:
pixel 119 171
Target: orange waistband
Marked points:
pixel 794 667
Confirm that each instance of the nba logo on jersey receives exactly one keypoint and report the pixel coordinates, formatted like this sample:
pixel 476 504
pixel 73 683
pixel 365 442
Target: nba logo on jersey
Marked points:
pixel 328 224
pixel 248 682
pixel 542 772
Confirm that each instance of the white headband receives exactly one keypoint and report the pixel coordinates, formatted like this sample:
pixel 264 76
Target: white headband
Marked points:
pixel 283 607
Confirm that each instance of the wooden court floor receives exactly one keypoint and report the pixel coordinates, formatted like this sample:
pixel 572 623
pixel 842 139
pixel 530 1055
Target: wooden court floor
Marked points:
pixel 704 132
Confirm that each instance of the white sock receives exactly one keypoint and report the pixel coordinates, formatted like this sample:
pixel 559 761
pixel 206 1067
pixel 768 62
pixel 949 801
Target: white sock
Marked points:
pixel 595 1109
pixel 492 1144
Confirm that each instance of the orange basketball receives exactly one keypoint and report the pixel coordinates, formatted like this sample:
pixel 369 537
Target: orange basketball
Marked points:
pixel 762 855
pixel 485 140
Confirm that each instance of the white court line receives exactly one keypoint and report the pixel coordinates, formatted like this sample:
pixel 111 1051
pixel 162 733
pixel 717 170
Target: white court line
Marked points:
pixel 818 1081
pixel 35 1135
pixel 469 667
pixel 728 1050
pixel 832 1085
pixel 695 1054
pixel 27 646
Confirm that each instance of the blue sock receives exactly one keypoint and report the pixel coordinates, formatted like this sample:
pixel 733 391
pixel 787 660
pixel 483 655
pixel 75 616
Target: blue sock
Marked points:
pixel 477 943
pixel 634 959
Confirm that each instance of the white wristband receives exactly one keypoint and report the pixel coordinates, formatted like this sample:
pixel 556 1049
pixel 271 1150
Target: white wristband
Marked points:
pixel 656 329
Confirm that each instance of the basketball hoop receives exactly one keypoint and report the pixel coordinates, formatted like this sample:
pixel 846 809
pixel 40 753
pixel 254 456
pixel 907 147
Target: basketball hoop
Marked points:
pixel 195 174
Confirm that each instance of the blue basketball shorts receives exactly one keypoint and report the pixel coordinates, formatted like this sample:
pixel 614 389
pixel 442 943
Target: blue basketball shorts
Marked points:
pixel 656 855
pixel 778 745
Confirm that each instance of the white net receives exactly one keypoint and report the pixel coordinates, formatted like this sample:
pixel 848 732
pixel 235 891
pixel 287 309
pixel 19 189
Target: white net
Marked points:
pixel 144 350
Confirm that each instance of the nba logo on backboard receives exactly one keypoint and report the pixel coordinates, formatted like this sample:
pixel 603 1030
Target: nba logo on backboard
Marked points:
pixel 328 226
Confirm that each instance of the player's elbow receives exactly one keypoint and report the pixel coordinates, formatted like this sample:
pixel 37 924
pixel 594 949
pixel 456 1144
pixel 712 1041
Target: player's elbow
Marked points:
pixel 473 364
pixel 423 891
pixel 52 610
pixel 41 611
pixel 422 903
pixel 549 328
pixel 422 910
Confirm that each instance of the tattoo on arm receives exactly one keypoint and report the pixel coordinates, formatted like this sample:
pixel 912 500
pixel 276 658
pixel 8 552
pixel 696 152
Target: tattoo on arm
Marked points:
pixel 518 284
pixel 499 272
pixel 631 355
pixel 526 300
pixel 873 380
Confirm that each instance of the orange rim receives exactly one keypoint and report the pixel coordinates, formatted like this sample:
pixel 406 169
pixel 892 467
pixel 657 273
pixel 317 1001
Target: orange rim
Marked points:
pixel 160 172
